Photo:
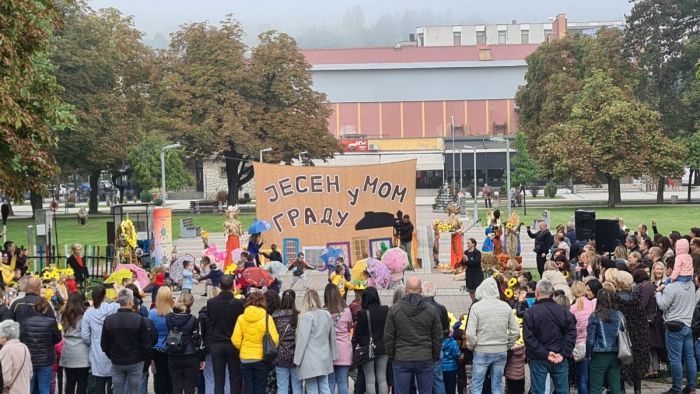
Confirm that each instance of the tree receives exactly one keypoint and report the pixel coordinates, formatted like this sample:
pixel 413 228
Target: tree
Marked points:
pixel 526 170
pixel 103 69
pixel 144 162
pixel 31 113
pixel 656 35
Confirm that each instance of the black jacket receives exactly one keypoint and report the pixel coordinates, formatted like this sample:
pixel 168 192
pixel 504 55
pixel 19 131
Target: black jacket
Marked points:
pixel 543 240
pixel 223 311
pixel 40 333
pixel 273 256
pixel 5 313
pixel 203 320
pixel 442 313
pixel 406 232
pixel 126 337
pixel 189 327
pixel 412 331
pixel 80 273
pixel 695 325
pixel 377 315
pixel 548 327
pixel 23 307
pixel 474 274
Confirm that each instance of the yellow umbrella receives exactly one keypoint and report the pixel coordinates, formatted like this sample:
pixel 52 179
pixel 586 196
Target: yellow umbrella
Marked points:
pixel 117 277
pixel 358 270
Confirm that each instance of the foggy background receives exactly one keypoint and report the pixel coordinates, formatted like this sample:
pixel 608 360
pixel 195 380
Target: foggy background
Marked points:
pixel 350 23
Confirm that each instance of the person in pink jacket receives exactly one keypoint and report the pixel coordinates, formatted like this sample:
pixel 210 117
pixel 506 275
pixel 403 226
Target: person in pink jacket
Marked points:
pixel 342 319
pixel 15 359
pixel 582 309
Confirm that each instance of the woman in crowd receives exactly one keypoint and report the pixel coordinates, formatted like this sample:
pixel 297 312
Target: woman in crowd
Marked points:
pixel 184 365
pixel 139 306
pixel 159 355
pixel 255 243
pixel 620 253
pixel 286 318
pixel 15 360
pixel 342 319
pixel 658 273
pixel 601 345
pixel 647 291
pixel 372 309
pixel 474 274
pixel 593 286
pixel 666 250
pixel 91 331
pixel 634 261
pixel 40 333
pixel 557 279
pixel 630 305
pixel 582 309
pixel 77 263
pixel 248 339
pixel 75 355
pixel 315 345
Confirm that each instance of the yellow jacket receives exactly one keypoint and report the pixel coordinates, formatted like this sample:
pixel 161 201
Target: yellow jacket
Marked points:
pixel 339 280
pixel 249 330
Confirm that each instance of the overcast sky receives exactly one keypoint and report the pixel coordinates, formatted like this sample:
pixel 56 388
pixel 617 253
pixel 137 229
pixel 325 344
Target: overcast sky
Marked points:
pixel 295 16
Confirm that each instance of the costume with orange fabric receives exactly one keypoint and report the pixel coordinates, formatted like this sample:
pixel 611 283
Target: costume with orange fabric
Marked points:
pixel 233 232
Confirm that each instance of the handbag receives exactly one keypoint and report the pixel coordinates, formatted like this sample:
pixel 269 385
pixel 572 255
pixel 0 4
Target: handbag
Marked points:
pixel 579 352
pixel 269 348
pixel 624 344
pixel 364 354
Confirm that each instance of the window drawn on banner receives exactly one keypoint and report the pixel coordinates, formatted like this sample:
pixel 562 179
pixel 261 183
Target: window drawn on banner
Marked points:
pixel 290 249
pixel 345 247
pixel 360 247
pixel 375 245
pixel 312 255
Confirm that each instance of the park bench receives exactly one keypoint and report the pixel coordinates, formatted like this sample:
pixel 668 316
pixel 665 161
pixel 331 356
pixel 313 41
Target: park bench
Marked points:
pixel 188 229
pixel 212 206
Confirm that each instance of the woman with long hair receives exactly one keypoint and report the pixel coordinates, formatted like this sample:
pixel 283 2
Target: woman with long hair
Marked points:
pixel 40 333
pixel 185 364
pixel 315 347
pixel 647 290
pixel 248 339
pixel 620 252
pixel 370 322
pixel 658 273
pixel 158 315
pixel 286 317
pixel 75 355
pixel 581 309
pixel 601 344
pixel 91 332
pixel 342 319
pixel 666 249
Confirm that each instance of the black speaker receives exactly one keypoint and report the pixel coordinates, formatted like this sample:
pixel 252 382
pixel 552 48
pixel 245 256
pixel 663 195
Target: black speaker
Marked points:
pixel 606 235
pixel 585 224
pixel 111 236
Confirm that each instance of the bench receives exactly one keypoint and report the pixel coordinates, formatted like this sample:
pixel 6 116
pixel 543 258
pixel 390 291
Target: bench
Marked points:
pixel 200 206
pixel 188 229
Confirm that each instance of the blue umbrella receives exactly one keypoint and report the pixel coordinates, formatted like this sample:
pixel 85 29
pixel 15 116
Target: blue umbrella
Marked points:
pixel 329 256
pixel 259 226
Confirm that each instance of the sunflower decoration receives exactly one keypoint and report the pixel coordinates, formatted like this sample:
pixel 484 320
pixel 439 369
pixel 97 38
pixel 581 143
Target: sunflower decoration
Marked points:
pixel 512 282
pixel 508 293
pixel 452 318
pixel 205 238
pixel 231 269
pixel 566 274
pixel 128 232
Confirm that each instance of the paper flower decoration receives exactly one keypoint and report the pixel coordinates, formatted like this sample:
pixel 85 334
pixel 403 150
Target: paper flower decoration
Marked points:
pixel 512 282
pixel 508 293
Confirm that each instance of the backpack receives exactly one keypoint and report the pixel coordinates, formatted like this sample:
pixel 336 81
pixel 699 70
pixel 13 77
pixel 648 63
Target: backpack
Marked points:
pixel 175 341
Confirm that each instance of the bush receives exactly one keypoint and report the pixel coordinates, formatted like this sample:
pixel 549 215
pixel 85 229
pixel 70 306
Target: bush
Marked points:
pixel 550 190
pixel 534 191
pixel 158 201
pixel 146 196
pixel 222 196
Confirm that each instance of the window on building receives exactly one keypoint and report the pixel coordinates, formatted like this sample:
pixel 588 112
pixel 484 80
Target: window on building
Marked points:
pixel 457 38
pixel 502 37
pixel 480 38
pixel 420 40
pixel 222 172
pixel 525 36
pixel 485 54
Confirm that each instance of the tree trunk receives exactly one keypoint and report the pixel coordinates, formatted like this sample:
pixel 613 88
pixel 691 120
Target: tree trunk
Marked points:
pixel 660 190
pixel 611 192
pixel 690 183
pixel 94 186
pixel 618 191
pixel 237 173
pixel 36 201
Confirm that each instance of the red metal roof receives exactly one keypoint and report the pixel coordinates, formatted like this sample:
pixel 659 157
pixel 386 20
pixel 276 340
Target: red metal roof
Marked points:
pixel 415 54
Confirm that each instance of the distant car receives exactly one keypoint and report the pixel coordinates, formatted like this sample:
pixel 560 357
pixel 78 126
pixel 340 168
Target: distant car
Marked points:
pixel 106 185
pixel 84 187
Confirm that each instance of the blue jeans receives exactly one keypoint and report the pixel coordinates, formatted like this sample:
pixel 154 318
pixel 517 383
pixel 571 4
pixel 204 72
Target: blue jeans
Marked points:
pixel 483 362
pixel 438 380
pixel 679 346
pixel 339 378
pixel 559 373
pixel 41 379
pixel 317 385
pixel 283 377
pixel 209 377
pixel 127 377
pixel 255 377
pixel 406 371
pixel 582 376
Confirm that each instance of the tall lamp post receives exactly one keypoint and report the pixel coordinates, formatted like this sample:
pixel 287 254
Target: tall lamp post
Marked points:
pixel 454 178
pixel 301 163
pixel 476 207
pixel 162 168
pixel 507 141
pixel 263 151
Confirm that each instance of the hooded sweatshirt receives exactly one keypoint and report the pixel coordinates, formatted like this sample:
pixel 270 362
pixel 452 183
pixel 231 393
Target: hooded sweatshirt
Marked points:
pixel 491 327
pixel 677 300
pixel 91 332
pixel 683 265
pixel 412 331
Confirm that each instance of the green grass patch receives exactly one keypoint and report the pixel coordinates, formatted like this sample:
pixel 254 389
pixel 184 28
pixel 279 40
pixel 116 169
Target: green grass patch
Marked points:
pixel 95 231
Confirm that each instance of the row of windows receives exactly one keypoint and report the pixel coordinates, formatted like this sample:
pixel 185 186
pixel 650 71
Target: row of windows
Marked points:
pixel 481 37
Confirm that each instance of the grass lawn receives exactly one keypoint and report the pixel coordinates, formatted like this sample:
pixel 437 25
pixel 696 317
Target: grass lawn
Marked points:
pixel 668 218
pixel 95 231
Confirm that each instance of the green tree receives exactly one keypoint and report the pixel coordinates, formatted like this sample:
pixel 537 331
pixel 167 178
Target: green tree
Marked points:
pixel 103 67
pixel 144 163
pixel 526 170
pixel 31 113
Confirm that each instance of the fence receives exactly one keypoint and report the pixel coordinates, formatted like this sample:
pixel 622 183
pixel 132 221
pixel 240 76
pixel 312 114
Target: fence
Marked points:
pixel 98 258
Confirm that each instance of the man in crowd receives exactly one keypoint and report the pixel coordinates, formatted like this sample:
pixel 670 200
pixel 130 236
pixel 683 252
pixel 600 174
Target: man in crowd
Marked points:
pixel 223 311
pixel 491 330
pixel 642 232
pixel 23 307
pixel 695 253
pixel 694 232
pixel 632 244
pixel 274 255
pixel 406 237
pixel 126 341
pixel 486 192
pixel 549 331
pixel 543 241
pixel 429 295
pixel 413 340
pixel 677 301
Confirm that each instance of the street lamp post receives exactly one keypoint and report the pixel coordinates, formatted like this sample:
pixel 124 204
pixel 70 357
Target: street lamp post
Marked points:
pixel 461 172
pixel 263 151
pixel 300 157
pixel 454 178
pixel 162 169
pixel 476 207
pixel 507 141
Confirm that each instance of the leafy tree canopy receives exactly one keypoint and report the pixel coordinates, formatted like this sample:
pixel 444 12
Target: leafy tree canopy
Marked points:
pixel 144 162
